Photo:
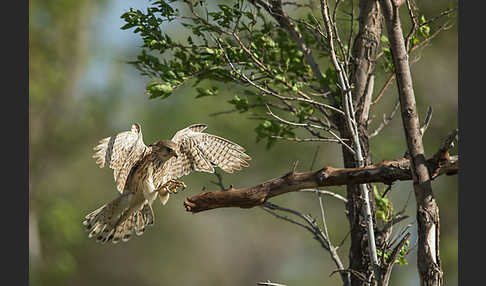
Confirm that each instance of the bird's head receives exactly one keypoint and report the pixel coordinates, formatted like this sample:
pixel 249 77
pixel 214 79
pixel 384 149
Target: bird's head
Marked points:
pixel 165 149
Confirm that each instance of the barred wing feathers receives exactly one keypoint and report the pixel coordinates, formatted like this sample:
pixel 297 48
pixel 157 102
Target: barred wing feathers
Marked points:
pixel 202 152
pixel 120 153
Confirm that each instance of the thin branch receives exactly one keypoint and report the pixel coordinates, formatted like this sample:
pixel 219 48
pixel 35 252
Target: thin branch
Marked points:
pixel 442 14
pixel 314 158
pixel 300 140
pixel 269 283
pixel 393 256
pixel 386 120
pixel 220 181
pixel 312 227
pixel 235 110
pixel 323 216
pixel 327 193
pixel 343 240
pixel 384 88
pixel 308 125
pixel 269 208
pixel 351 30
pixel 354 272
pixel 428 117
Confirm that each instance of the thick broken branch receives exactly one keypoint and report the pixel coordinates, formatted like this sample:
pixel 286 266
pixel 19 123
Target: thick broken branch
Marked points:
pixel 385 172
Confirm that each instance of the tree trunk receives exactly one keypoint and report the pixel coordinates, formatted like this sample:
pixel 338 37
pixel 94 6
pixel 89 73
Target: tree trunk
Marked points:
pixel 428 260
pixel 365 49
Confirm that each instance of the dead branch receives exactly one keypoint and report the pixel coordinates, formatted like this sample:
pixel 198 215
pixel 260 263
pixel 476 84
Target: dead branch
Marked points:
pixel 385 172
pixel 311 225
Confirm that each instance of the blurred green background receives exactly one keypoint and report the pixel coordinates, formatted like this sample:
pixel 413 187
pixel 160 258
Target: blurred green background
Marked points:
pixel 81 90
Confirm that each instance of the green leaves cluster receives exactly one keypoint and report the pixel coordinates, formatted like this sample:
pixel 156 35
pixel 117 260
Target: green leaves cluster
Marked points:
pixel 400 258
pixel 303 112
pixel 269 128
pixel 261 52
pixel 384 212
pixel 421 34
pixel 388 60
pixel 384 208
pixel 240 104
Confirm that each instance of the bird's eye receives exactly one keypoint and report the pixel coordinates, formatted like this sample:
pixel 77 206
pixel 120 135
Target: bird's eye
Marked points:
pixel 168 150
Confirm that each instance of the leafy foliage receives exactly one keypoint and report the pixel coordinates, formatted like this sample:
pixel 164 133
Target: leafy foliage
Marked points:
pixel 234 43
pixel 384 208
pixel 268 129
pixel 400 258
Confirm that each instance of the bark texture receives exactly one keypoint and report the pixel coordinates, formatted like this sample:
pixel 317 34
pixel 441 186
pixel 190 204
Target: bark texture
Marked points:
pixel 365 49
pixel 428 259
pixel 385 172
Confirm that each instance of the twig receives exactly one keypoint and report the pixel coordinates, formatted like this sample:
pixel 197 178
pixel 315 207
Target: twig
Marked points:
pixel 234 110
pixel 354 272
pixel 308 125
pixel 269 283
pixel 386 191
pixel 393 256
pixel 314 158
pixel 343 240
pixel 442 14
pixel 321 205
pixel 384 88
pixel 300 140
pixel 386 120
pixel 220 181
pixel 327 193
pixel 428 117
pixel 311 226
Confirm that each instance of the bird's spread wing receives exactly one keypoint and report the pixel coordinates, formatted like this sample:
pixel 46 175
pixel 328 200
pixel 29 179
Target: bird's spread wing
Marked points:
pixel 201 152
pixel 120 153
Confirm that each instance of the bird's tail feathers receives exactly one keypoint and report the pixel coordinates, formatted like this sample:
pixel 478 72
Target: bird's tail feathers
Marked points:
pixel 109 223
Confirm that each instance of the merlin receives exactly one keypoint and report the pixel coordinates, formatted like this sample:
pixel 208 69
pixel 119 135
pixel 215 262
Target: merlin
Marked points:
pixel 143 172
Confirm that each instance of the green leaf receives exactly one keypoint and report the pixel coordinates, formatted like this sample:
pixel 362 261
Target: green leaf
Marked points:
pixel 240 104
pixel 159 89
pixel 203 92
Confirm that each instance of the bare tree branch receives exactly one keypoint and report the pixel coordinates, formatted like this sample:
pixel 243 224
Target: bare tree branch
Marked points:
pixel 385 172
pixel 324 192
pixel 307 139
pixel 311 225
pixel 386 120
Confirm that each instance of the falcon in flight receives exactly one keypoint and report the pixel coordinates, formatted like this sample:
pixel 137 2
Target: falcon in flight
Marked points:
pixel 144 172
